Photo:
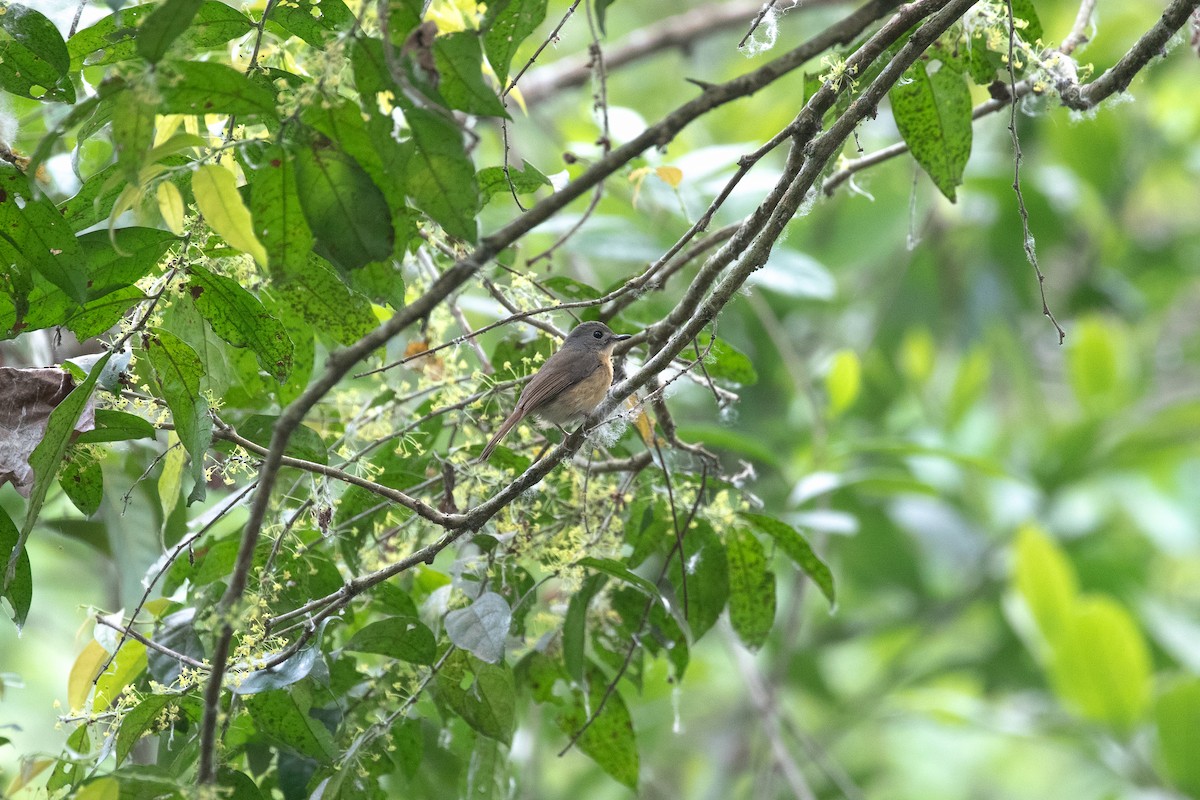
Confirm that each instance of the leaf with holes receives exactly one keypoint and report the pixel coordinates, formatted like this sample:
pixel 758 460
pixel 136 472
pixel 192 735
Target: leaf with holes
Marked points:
pixel 240 319
pixel 932 108
pixel 33 57
pixel 751 589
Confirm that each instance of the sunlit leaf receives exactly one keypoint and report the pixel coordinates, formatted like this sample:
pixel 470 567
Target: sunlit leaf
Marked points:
pixel 219 201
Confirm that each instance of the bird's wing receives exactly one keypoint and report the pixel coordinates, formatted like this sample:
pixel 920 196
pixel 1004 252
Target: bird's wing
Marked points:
pixel 551 379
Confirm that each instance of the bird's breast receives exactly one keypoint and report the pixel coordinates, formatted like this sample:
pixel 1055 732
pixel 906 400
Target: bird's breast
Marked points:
pixel 582 398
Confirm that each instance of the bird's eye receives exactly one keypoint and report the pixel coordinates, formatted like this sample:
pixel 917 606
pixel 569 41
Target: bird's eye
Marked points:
pixel 598 334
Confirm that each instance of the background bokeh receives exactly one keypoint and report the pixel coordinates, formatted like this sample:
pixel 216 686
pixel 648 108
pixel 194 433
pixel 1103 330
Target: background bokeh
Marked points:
pixel 914 413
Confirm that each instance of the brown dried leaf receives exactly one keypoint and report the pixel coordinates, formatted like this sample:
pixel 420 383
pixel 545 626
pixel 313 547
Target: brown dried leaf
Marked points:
pixel 27 396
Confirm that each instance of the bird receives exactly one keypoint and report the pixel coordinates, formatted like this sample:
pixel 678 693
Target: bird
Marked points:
pixel 570 384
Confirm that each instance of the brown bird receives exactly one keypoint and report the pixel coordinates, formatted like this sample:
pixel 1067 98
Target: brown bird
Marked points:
pixel 570 384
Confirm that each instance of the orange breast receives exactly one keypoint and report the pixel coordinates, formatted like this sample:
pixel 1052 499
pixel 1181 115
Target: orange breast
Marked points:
pixel 582 398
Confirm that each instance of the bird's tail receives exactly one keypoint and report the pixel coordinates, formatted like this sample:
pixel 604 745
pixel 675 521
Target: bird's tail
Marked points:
pixel 505 427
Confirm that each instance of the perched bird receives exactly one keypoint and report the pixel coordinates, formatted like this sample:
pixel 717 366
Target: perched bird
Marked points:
pixel 570 384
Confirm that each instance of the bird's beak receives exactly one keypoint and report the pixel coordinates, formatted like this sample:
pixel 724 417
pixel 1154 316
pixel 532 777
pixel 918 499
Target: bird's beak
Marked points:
pixel 620 337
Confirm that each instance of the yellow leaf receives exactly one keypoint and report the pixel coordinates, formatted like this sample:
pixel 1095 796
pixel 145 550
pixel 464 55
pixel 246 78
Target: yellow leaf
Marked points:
pixel 167 124
pixel 636 177
pixel 79 683
pixel 170 205
pixel 100 789
pixel 171 479
pixel 917 354
pixel 644 428
pixel 515 94
pixel 30 769
pixel 1046 581
pixel 843 381
pixel 672 176
pixel 130 196
pixel 129 663
pixel 218 200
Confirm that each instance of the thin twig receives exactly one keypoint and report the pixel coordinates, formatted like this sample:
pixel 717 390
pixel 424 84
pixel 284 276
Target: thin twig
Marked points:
pixel 128 632
pixel 1028 242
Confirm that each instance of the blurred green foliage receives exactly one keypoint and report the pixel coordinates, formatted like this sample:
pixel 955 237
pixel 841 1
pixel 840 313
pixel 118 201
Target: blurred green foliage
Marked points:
pixel 1009 527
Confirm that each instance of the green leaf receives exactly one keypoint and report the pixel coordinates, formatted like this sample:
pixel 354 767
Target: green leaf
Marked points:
pixel 164 26
pixel 570 289
pixel 178 370
pixel 405 638
pixel 116 426
pixel 293 670
pixel 71 772
pixel 460 63
pixel 304 443
pixel 609 740
pixel 207 87
pixel 483 694
pixel 98 316
pixel 615 569
pixel 32 233
pixel 382 282
pixel 275 208
pixel 33 57
pixel 282 717
pixel 1045 580
pixel 132 129
pixel 482 627
pixel 1177 718
pixel 1024 10
pixel 440 179
pixel 115 38
pixel 1101 665
pixel 574 631
pixel 19 591
pixel 137 722
pixel 508 23
pixel 725 362
pixel 705 588
pixel 119 259
pixel 1099 365
pixel 45 460
pixel 346 211
pixel 371 73
pixel 240 319
pixel 83 482
pixel 321 298
pixel 130 662
pixel 602 14
pixel 799 550
pixel 106 788
pixel 314 21
pixel 94 200
pixel 89 108
pixel 751 588
pixel 236 785
pixel 492 181
pixel 933 112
